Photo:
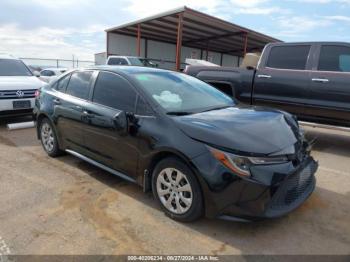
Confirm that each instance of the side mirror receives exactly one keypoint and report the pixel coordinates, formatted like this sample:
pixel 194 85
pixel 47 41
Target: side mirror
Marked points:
pixel 120 121
pixel 36 73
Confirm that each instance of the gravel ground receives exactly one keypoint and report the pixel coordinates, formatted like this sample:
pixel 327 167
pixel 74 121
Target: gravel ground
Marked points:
pixel 66 206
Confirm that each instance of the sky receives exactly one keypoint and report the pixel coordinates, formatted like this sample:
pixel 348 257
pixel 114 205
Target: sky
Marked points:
pixel 60 29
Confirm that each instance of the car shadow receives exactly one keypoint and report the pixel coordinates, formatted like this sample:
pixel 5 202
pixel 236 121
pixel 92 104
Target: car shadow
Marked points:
pixel 319 225
pixel 20 137
pixel 324 217
pixel 333 142
pixel 8 120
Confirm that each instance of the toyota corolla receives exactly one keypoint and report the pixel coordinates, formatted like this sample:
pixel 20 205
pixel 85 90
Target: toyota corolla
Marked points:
pixel 198 150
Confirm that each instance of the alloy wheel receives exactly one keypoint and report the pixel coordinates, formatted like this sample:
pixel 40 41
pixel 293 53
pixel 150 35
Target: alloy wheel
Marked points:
pixel 47 137
pixel 174 191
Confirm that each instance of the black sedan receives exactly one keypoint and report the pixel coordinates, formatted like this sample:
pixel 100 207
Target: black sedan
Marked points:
pixel 196 148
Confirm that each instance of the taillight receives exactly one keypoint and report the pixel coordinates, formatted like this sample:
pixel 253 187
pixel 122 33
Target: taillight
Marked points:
pixel 37 93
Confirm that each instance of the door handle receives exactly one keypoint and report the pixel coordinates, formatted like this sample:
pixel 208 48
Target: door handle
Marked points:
pixel 264 76
pixel 88 115
pixel 56 101
pixel 320 80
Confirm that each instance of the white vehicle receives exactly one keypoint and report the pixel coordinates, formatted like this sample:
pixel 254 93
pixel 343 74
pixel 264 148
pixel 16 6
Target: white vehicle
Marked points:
pixel 18 86
pixel 124 60
pixel 48 74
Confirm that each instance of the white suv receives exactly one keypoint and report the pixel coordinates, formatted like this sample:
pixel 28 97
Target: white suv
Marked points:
pixel 18 86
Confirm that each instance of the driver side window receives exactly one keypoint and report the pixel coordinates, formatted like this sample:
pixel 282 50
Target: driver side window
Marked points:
pixel 114 91
pixel 142 108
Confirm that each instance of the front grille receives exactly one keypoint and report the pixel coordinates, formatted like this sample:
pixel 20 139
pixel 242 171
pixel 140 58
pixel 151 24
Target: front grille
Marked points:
pixel 17 94
pixel 18 112
pixel 294 190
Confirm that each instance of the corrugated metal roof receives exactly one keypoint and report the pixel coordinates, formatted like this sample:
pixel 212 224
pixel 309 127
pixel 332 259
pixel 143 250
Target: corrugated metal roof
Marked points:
pixel 199 31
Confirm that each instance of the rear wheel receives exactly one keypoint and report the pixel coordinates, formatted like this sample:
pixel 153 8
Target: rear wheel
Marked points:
pixel 49 139
pixel 177 190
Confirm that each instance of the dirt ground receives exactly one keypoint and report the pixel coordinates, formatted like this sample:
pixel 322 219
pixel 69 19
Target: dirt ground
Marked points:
pixel 66 206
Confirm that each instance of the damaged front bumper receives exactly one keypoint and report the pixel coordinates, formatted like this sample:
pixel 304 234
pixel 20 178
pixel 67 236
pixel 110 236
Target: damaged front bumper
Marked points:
pixel 272 191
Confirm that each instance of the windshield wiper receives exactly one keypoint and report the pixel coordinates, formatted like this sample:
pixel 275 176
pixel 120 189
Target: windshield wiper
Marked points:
pixel 216 108
pixel 179 113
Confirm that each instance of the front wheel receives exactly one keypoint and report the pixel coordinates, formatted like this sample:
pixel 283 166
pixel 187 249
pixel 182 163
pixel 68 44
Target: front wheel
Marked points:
pixel 177 190
pixel 49 139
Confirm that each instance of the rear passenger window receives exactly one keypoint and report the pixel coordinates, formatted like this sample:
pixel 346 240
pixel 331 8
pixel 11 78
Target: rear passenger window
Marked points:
pixel 289 57
pixel 79 85
pixel 334 58
pixel 62 83
pixel 113 91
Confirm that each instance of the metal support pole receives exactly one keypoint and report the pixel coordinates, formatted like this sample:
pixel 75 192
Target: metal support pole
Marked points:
pixel 221 58
pixel 207 51
pixel 139 39
pixel 245 43
pixel 179 42
pixel 146 47
pixel 107 44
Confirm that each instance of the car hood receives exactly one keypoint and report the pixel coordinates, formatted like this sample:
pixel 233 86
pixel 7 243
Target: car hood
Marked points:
pixel 250 130
pixel 20 82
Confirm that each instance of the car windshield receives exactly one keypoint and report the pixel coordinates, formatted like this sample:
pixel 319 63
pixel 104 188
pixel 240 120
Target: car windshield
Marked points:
pixel 12 67
pixel 135 61
pixel 182 94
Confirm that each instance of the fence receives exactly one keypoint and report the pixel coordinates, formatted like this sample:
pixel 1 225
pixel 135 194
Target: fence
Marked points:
pixel 44 63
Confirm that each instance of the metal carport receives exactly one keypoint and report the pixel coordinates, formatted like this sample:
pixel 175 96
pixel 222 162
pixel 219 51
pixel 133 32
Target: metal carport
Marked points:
pixel 190 28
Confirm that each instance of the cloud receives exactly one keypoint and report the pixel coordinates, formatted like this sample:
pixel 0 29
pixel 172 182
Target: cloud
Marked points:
pixel 299 26
pixel 142 8
pixel 260 11
pixel 59 29
pixel 248 3
pixel 45 42
pixel 256 7
pixel 58 4
pixel 326 1
pixel 220 8
pixel 338 18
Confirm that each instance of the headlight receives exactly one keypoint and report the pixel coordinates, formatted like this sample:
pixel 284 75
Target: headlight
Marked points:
pixel 240 165
pixel 268 160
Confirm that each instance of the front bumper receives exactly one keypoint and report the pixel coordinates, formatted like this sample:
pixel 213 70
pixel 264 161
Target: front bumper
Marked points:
pixel 273 191
pixel 293 191
pixel 6 107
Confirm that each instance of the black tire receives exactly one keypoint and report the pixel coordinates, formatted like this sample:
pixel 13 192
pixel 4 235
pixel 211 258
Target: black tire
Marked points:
pixel 55 151
pixel 196 208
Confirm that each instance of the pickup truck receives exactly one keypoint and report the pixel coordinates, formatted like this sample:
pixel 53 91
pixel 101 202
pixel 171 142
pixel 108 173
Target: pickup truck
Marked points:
pixel 310 80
